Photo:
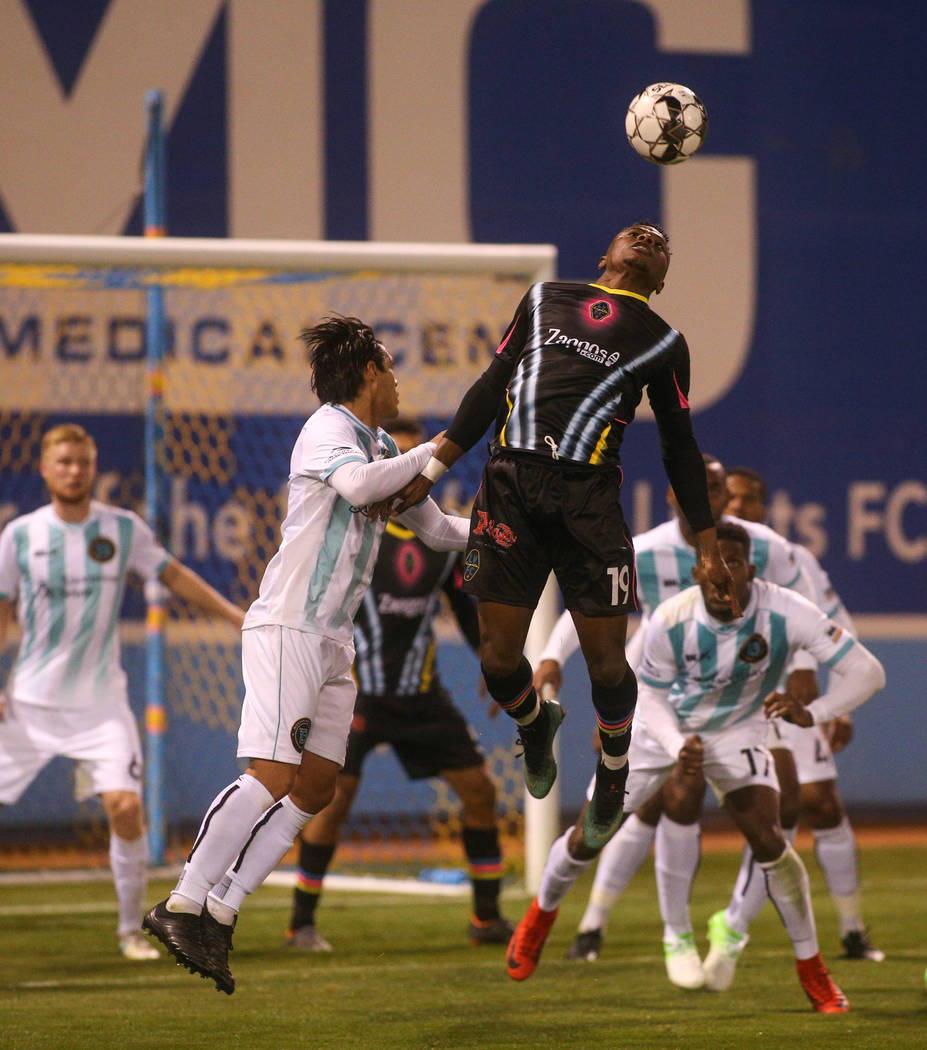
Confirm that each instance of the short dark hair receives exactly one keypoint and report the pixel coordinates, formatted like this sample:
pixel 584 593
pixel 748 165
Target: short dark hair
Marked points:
pixel 340 348
pixel 752 475
pixel 406 425
pixel 729 530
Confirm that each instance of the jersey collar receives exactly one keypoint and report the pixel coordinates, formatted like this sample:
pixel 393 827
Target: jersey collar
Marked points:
pixel 620 291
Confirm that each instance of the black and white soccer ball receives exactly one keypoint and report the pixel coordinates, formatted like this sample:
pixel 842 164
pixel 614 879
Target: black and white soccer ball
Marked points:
pixel 666 123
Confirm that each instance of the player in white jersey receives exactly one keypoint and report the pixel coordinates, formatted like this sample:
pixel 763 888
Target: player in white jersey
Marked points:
pixel 811 749
pixel 708 680
pixel 297 647
pixel 664 559
pixel 65 566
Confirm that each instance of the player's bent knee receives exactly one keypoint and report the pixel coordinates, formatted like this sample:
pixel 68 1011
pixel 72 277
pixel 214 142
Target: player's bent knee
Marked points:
pixel 125 814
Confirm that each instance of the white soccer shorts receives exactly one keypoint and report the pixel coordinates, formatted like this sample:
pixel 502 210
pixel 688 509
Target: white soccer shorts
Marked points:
pixel 733 759
pixel 814 759
pixel 105 745
pixel 299 695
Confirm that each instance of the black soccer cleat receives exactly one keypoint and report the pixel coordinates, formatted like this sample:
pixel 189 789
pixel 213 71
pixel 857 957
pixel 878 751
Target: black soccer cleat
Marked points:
pixel 490 931
pixel 217 937
pixel 586 947
pixel 186 938
pixel 856 945
pixel 181 933
pixel 604 811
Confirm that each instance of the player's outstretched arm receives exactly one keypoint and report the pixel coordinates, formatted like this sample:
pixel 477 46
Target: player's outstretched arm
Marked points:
pixel 185 583
pixel 6 618
pixel 445 456
pixel 367 484
pixel 437 530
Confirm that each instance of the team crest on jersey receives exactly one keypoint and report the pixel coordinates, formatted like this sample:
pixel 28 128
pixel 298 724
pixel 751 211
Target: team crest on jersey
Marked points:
pixel 471 565
pixel 600 309
pixel 299 733
pixel 754 649
pixel 101 549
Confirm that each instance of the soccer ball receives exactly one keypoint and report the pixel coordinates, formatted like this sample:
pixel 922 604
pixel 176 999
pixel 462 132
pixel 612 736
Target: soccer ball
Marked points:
pixel 666 123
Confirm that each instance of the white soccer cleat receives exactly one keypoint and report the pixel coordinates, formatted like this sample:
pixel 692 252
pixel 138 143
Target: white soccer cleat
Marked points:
pixel 137 947
pixel 683 965
pixel 726 944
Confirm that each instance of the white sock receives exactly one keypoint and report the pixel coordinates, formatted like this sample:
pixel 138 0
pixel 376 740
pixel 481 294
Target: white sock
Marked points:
pixel 128 859
pixel 619 861
pixel 526 720
pixel 787 882
pixel 835 850
pixel 267 844
pixel 560 872
pixel 224 831
pixel 677 852
pixel 750 892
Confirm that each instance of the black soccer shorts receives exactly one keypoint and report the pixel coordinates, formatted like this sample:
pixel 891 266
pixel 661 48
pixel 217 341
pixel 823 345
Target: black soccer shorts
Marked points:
pixel 426 731
pixel 532 516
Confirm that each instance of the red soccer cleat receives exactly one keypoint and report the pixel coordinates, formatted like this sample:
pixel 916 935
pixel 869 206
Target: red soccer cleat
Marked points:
pixel 527 942
pixel 825 996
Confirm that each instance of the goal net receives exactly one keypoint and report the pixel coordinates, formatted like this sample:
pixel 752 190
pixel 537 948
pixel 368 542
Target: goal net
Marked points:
pixel 74 340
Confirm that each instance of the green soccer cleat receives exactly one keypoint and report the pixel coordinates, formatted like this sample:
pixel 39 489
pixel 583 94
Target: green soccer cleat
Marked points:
pixel 683 965
pixel 537 738
pixel 725 946
pixel 604 811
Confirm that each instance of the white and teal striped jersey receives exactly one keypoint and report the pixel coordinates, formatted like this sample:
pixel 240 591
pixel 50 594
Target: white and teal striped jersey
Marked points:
pixel 718 674
pixel 664 561
pixel 68 580
pixel 318 576
pixel 825 597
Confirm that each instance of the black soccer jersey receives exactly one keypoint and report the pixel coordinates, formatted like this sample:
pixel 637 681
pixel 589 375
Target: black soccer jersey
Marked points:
pixel 580 357
pixel 394 627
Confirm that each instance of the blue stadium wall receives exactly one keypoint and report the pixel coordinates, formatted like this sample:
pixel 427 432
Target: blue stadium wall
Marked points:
pixel 799 231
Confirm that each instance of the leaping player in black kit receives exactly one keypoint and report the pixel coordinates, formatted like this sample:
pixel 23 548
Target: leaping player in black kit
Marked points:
pixel 564 384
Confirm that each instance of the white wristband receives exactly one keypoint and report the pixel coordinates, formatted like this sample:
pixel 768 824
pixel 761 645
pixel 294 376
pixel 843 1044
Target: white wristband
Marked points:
pixel 433 469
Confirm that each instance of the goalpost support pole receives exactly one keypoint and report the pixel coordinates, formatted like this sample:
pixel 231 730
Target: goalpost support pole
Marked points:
pixel 155 709
pixel 542 816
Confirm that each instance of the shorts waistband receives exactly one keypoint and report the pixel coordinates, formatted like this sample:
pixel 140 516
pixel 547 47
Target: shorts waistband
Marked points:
pixel 497 451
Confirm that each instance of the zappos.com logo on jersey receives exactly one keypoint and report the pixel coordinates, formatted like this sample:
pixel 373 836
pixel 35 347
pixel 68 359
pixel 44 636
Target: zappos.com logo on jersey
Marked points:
pixel 599 354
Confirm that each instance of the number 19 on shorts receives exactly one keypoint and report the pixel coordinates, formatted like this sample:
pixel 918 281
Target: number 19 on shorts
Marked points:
pixel 621 583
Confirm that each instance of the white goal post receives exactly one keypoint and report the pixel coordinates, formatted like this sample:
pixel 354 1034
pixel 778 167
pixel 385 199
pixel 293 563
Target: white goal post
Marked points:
pixel 73 342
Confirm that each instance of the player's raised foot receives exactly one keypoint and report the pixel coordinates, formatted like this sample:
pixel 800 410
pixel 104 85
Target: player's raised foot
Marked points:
pixel 602 816
pixel 217 936
pixel 527 943
pixel 825 996
pixel 725 946
pixel 537 738
pixel 182 934
pixel 307 939
pixel 490 931
pixel 586 947
pixel 856 945
pixel 134 946
pixel 683 965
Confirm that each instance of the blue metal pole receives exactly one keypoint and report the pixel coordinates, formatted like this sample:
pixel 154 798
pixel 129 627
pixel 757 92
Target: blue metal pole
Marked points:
pixel 155 488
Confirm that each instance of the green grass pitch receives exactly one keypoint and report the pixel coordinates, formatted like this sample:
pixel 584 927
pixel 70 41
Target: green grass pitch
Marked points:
pixel 403 976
